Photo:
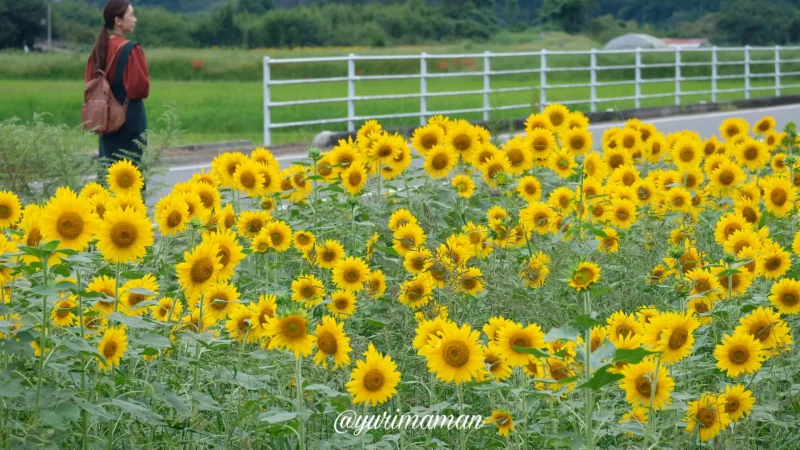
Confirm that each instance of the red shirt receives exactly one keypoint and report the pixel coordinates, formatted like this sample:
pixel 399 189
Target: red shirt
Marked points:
pixel 135 79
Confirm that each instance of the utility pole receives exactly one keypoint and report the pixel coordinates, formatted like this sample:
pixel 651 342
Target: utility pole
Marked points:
pixel 50 23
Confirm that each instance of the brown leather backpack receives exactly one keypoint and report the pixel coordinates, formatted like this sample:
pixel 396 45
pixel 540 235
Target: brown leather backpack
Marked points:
pixel 101 112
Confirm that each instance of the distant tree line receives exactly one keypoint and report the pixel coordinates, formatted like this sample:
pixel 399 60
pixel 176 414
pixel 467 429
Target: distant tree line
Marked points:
pixel 309 23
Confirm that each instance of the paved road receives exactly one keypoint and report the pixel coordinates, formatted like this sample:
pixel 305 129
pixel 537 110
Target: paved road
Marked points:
pixel 706 124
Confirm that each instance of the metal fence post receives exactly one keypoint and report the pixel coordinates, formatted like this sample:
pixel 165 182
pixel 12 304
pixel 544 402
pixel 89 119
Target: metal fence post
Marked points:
pixel 638 78
pixel 487 67
pixel 267 116
pixel 593 81
pixel 777 71
pixel 677 76
pixel 543 79
pixel 714 74
pixel 351 92
pixel 423 88
pixel 746 71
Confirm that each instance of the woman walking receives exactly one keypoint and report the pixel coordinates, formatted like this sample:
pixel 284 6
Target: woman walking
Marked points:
pixel 126 69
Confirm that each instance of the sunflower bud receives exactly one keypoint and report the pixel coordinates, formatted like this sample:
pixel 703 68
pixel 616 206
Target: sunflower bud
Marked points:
pixel 352 201
pixel 315 154
pixel 729 258
pixel 676 251
pixel 790 160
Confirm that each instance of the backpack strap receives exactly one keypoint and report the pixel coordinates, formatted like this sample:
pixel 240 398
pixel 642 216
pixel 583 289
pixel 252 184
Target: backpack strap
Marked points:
pixel 117 87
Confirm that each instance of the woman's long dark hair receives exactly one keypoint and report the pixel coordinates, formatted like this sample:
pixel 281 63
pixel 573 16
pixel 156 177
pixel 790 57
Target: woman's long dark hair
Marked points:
pixel 113 9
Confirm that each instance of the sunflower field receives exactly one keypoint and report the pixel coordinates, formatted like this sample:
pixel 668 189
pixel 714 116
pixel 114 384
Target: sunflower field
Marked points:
pixel 637 292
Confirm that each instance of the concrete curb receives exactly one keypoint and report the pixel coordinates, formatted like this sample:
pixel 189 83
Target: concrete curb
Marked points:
pixel 327 139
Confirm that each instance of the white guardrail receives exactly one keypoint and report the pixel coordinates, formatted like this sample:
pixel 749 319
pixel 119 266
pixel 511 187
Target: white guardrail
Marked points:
pixel 543 69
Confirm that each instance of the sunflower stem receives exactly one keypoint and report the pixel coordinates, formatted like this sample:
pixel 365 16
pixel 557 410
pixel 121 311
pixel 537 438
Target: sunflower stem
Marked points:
pixel 116 287
pixel 110 444
pixel 651 417
pixel 589 393
pixel 301 428
pixel 42 338
pixel 580 205
pixel 84 413
pixel 461 429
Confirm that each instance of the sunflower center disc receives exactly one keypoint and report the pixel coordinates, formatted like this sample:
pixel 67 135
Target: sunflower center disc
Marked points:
pixel 307 291
pixel 34 238
pixel 294 329
pixel 69 225
pixel 174 219
pixel 707 416
pixel 202 269
pixel 110 349
pixel 125 180
pixel 778 197
pixel 354 179
pixel 643 386
pixel 491 361
pixel 373 380
pixel 739 355
pixel 678 339
pixel 731 406
pixel 351 276
pixel 789 299
pixel 123 234
pixel 558 371
pixel 327 343
pixel 456 354
pixel 520 341
pixel 135 299
pixel 439 161
pixel 5 212
pixel 341 303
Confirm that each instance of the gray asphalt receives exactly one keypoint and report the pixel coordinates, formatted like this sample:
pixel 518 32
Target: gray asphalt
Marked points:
pixel 704 124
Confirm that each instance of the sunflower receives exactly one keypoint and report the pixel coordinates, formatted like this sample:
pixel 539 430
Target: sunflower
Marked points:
pixel 376 284
pixel 764 125
pixel 428 330
pixel 10 209
pixel 734 280
pixel 464 185
pixel 623 213
pixel 738 401
pixel 112 347
pixel 536 121
pixel 773 262
pixel 503 420
pixel 68 219
pixel 250 223
pixel 577 141
pixel 124 178
pixel 343 303
pixel 280 234
pixel 779 195
pixel 427 137
pixel 264 310
pixel 539 217
pixel 518 155
pixel 765 324
pixel 303 240
pixel 345 154
pixel 130 300
pixel 556 115
pixel 752 153
pixel 621 326
pixel 90 189
pixel 687 153
pixel 103 285
pixel 124 235
pixel 220 299
pixel 62 315
pixel 470 281
pixel 195 323
pixel 224 166
pixel 227 217
pixel 706 416
pixel 676 336
pixel 463 139
pixel 785 296
pixel 517 335
pixel 730 128
pixel 738 354
pixel 728 224
pixel 541 142
pixel 408 237
pixel 584 275
pixel 529 188
pixel 415 293
pixel 439 161
pixel 418 261
pixel 495 365
pixel 354 178
pixel 374 380
pixel 309 290
pixel 167 310
pixel 205 177
pixel 350 273
pixel 609 243
pixel 248 178
pixel 200 268
pixel 240 324
pixel 384 148
pixel 645 380
pixel 329 254
pixel 678 199
pixel 562 163
pixel 290 332
pixel 230 252
pixel 594 166
pixel 172 215
pixel 740 239
pixel 703 283
pixel 494 166
pixel 333 342
pixel 369 127
pixel 399 218
pixel 456 355
pixel 261 243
